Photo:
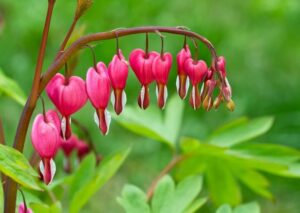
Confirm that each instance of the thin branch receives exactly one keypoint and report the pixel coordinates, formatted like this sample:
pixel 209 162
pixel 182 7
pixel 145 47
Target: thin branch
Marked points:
pixel 77 45
pixel 166 170
pixel 11 186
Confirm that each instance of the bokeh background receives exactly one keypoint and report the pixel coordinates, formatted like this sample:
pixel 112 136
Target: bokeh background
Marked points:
pixel 259 38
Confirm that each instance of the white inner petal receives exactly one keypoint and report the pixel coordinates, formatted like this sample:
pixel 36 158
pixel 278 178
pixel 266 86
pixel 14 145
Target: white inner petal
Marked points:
pixel 177 83
pixel 96 119
pixel 42 169
pixel 194 97
pixel 112 98
pixel 124 99
pixel 187 85
pixel 64 127
pixel 165 95
pixel 107 119
pixel 52 169
pixel 142 96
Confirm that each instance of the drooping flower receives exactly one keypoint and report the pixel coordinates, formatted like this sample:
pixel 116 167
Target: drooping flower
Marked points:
pixel 118 74
pixel 23 209
pixel 68 95
pixel 182 82
pixel 82 149
pixel 196 70
pixel 68 146
pixel 141 63
pixel 46 141
pixel 225 88
pixel 161 68
pixel 98 90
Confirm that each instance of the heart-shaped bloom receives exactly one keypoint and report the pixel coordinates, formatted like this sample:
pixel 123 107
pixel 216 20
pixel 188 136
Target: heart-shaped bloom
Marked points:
pixel 182 82
pixel 141 63
pixel 46 141
pixel 118 74
pixel 23 209
pixel 98 90
pixel 161 68
pixel 68 95
pixel 68 146
pixel 196 70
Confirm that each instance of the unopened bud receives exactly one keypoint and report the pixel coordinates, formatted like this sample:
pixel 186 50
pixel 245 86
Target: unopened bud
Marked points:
pixel 230 105
pixel 82 6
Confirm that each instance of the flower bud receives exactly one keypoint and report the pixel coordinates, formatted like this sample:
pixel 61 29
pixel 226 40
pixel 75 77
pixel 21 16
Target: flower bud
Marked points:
pixel 161 69
pixel 182 82
pixel 22 209
pixel 98 90
pixel 118 74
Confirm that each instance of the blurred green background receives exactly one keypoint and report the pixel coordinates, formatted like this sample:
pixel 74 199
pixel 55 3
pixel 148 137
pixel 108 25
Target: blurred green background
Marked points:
pixel 259 38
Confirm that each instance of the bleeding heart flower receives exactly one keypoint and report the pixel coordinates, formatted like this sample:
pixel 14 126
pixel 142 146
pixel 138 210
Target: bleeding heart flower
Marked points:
pixel 68 146
pixel 182 82
pixel 98 90
pixel 196 70
pixel 68 95
pixel 23 209
pixel 141 63
pixel 46 141
pixel 118 74
pixel 161 69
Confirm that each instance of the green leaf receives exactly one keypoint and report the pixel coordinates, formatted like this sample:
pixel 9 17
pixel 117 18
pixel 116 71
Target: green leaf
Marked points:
pixel 104 172
pixel 83 175
pixel 1 197
pixel 184 194
pixel 173 117
pixel 223 187
pixel 197 204
pixel 40 207
pixel 11 89
pixel 241 133
pixel 164 189
pixel 252 207
pixel 16 166
pixel 152 124
pixel 133 200
pixel 225 208
pixel 255 181
pixel 268 152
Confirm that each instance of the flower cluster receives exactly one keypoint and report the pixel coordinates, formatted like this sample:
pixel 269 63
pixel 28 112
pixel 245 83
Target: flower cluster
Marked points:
pixel 70 93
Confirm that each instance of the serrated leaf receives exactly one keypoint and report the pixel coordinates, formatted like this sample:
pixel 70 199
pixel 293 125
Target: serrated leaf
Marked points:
pixel 83 175
pixel 133 200
pixel 252 207
pixel 164 189
pixel 104 172
pixel 16 166
pixel 11 89
pixel 225 208
pixel 185 192
pixel 241 133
